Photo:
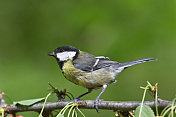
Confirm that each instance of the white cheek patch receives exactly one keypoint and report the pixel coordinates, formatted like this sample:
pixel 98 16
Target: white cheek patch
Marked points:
pixel 64 56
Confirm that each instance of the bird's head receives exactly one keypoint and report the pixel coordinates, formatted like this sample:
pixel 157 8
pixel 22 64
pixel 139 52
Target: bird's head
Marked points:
pixel 64 53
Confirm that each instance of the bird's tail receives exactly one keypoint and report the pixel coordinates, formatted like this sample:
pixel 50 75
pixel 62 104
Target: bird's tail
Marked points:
pixel 127 64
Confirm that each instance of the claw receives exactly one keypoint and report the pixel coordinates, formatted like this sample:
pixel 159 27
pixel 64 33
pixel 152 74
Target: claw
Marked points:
pixel 95 105
pixel 76 100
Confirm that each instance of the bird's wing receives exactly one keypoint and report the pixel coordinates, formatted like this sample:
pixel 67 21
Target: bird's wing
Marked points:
pixel 84 61
pixel 88 62
pixel 102 62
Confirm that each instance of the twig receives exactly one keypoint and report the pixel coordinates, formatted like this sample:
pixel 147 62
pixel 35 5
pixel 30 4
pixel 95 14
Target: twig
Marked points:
pixel 88 104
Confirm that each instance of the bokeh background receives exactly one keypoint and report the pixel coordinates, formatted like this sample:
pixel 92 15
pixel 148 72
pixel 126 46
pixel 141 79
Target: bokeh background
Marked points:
pixel 122 30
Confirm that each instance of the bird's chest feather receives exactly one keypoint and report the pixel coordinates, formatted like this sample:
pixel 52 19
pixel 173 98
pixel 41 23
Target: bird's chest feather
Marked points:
pixel 92 79
pixel 70 72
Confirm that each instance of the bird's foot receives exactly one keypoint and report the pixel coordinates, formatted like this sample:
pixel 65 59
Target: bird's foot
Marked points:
pixel 95 104
pixel 76 100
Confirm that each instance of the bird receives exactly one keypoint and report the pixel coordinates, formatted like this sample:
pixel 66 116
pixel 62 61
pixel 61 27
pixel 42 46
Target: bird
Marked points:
pixel 89 71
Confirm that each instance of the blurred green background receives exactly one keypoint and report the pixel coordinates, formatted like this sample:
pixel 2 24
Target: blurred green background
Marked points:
pixel 122 30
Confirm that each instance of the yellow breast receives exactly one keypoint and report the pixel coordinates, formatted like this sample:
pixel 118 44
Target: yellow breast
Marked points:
pixel 70 72
pixel 92 79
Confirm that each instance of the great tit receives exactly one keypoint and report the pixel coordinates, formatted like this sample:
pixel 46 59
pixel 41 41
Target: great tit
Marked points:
pixel 89 71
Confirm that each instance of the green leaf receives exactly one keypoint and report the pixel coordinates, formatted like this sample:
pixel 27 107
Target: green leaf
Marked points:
pixel 40 115
pixel 146 111
pixel 28 102
pixel 60 115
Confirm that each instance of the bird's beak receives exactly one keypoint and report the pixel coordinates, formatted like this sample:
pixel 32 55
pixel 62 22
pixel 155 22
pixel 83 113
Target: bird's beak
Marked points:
pixel 51 54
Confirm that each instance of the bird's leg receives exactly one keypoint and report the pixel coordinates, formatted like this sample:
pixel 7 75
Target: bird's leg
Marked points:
pixel 98 97
pixel 77 98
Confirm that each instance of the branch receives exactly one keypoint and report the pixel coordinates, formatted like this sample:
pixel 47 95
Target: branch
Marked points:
pixel 88 104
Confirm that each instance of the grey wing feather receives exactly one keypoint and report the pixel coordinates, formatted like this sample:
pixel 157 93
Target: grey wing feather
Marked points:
pixel 88 62
pixel 86 68
pixel 104 62
pixel 84 61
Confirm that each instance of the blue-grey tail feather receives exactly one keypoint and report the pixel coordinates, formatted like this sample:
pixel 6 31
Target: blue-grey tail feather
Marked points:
pixel 127 64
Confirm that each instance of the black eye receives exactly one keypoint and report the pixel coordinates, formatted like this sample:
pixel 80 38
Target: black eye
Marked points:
pixel 61 50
